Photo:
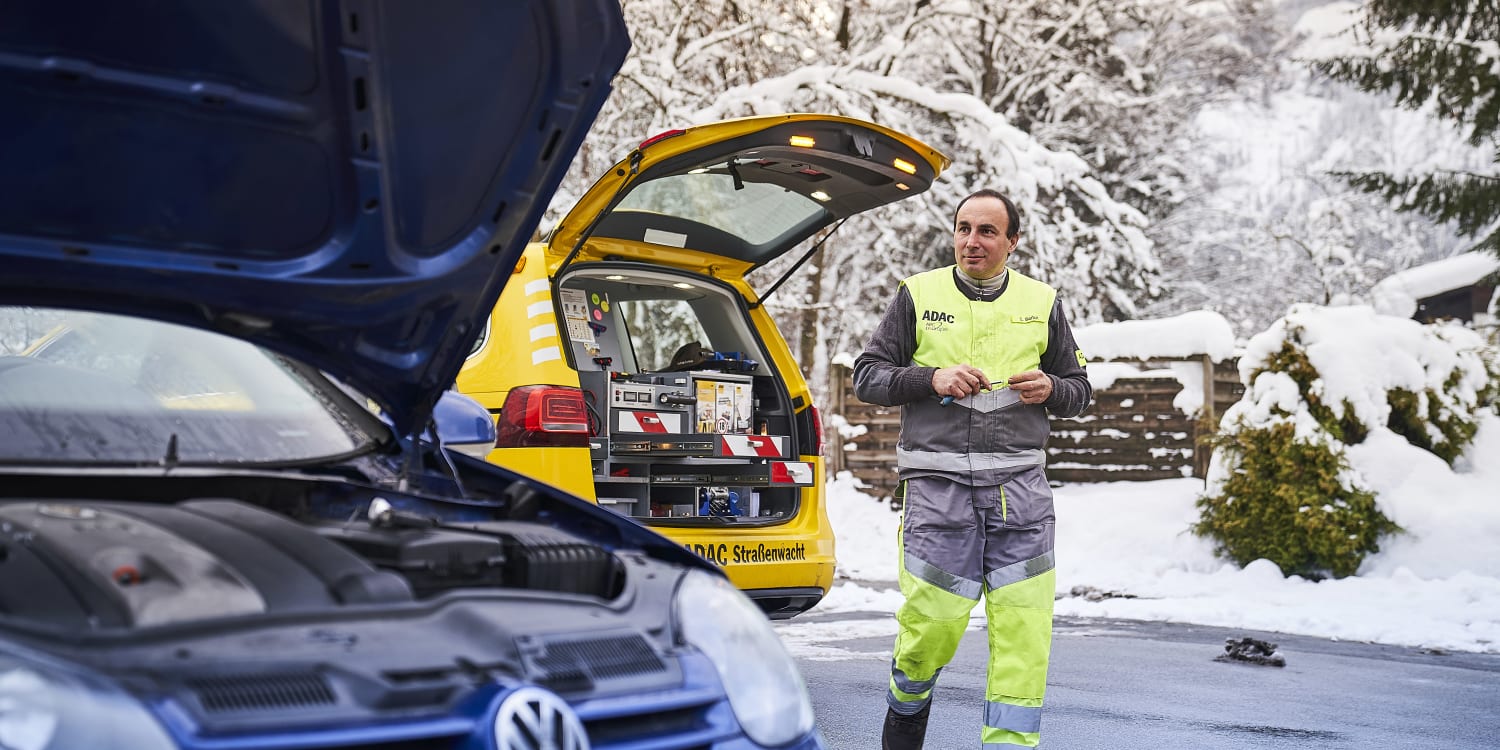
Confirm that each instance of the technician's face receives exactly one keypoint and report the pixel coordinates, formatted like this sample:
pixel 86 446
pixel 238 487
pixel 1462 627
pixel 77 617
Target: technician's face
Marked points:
pixel 980 246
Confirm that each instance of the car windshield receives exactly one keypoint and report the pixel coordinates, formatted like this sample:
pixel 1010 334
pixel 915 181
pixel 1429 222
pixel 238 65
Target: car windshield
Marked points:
pixel 82 387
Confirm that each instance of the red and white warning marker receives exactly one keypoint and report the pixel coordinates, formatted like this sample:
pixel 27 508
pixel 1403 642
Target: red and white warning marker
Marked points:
pixel 752 446
pixel 648 421
pixel 791 472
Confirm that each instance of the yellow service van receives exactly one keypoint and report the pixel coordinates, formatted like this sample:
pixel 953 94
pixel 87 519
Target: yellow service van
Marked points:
pixel 630 362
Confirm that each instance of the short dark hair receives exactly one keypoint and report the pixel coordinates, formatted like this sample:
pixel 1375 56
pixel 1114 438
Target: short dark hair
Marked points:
pixel 1012 229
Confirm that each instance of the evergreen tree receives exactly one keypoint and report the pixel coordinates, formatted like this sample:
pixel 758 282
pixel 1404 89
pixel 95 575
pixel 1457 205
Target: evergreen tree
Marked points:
pixel 1442 56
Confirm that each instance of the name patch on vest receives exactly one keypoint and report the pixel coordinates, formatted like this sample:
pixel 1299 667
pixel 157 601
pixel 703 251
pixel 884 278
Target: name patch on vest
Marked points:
pixel 1027 319
pixel 936 320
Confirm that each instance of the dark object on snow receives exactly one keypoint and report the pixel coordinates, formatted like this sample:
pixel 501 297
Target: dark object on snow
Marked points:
pixel 1094 595
pixel 1251 651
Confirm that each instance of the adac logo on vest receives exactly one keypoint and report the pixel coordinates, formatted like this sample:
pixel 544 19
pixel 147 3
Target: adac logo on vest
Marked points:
pixel 937 320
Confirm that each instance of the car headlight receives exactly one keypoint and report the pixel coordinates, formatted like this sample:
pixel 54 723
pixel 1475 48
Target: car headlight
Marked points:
pixel 46 708
pixel 764 686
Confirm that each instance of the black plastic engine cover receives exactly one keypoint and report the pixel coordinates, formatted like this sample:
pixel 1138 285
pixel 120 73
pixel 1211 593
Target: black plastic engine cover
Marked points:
pixel 499 553
pixel 541 557
pixel 432 560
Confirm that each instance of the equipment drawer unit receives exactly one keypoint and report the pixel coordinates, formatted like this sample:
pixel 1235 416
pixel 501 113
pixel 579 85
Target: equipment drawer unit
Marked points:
pixel 641 444
pixel 750 447
pixel 767 474
pixel 695 487
pixel 667 469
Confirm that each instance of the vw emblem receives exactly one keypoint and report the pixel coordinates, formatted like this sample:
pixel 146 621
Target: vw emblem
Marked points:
pixel 535 719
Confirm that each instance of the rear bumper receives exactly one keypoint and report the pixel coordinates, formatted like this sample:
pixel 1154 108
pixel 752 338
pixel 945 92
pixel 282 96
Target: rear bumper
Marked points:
pixel 780 604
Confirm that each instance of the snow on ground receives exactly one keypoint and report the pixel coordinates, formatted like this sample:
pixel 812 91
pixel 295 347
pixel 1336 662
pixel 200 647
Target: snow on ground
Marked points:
pixel 1436 586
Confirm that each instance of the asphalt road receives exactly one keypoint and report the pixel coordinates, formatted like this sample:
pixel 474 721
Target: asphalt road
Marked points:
pixel 1118 685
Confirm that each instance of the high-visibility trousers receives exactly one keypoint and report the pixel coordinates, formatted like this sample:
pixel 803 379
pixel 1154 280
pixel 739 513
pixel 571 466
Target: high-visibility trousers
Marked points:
pixel 959 543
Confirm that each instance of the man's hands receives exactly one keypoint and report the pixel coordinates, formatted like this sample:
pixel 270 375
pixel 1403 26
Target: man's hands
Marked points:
pixel 959 381
pixel 1034 386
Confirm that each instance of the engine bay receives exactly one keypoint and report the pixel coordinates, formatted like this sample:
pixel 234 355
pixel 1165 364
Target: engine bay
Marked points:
pixel 88 565
pixel 249 600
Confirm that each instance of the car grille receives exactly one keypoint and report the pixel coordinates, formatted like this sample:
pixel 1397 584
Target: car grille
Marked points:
pixel 579 664
pixel 664 724
pixel 261 692
pixel 240 705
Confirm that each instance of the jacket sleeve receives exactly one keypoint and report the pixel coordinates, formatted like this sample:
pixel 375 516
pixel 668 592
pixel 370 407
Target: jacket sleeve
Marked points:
pixel 883 372
pixel 1063 362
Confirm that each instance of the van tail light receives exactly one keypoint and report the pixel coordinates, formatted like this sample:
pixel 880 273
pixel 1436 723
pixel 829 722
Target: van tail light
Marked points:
pixel 817 420
pixel 543 415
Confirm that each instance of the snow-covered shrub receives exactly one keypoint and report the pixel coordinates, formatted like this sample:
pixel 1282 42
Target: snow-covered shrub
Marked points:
pixel 1279 485
pixel 1289 501
pixel 1442 420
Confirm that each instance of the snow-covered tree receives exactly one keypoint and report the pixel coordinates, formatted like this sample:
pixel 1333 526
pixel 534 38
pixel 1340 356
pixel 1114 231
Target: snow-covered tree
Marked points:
pixel 1271 224
pixel 1443 58
pixel 1072 108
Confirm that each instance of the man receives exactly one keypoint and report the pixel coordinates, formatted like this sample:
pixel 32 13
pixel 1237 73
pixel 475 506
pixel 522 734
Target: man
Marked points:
pixel 976 355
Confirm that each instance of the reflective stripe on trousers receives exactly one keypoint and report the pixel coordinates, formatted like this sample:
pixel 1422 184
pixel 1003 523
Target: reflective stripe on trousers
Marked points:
pixel 907 696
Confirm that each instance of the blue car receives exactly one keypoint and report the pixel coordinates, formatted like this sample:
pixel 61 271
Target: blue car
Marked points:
pixel 244 248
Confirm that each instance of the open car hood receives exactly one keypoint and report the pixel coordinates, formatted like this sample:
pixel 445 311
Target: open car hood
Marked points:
pixel 349 183
pixel 744 191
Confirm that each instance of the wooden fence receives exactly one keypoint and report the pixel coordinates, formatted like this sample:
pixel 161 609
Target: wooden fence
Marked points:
pixel 1132 431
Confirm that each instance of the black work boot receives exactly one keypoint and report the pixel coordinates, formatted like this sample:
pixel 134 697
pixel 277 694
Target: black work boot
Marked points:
pixel 904 732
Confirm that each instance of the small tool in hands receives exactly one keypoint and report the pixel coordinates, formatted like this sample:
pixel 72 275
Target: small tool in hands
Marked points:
pixel 1002 383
